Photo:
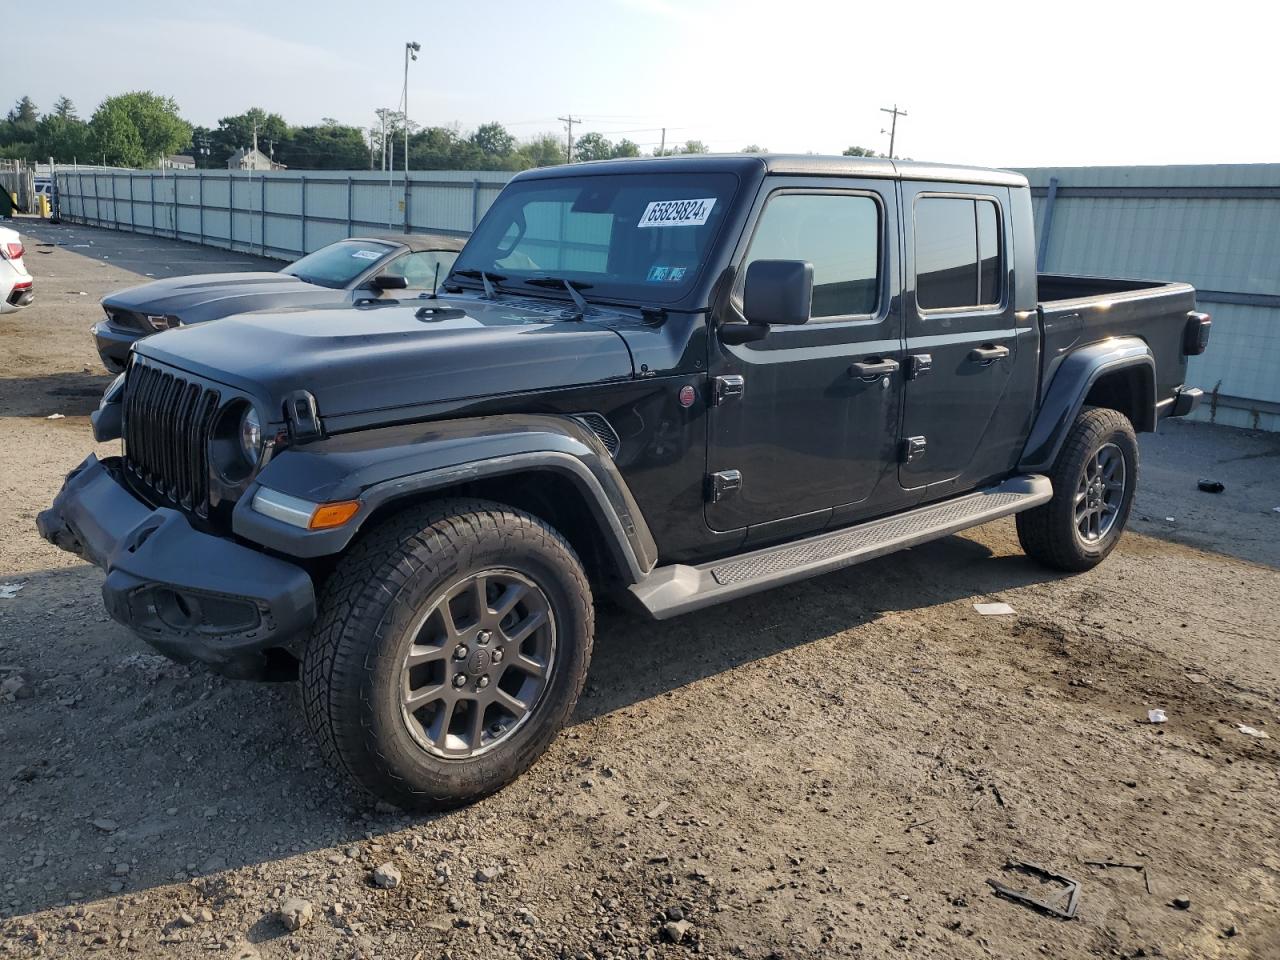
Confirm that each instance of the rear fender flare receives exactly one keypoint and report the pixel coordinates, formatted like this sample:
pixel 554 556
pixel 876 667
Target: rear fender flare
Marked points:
pixel 1071 384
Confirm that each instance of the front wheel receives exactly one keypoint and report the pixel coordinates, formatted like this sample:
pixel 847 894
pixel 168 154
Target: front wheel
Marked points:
pixel 452 643
pixel 1094 479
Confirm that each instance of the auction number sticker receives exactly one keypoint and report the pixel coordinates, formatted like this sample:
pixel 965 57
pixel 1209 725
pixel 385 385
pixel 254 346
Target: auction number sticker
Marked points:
pixel 366 254
pixel 677 213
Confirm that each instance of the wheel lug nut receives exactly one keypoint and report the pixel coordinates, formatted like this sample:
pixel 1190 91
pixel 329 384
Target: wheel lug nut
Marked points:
pixel 482 682
pixel 497 655
pixel 460 680
pixel 483 637
pixel 460 652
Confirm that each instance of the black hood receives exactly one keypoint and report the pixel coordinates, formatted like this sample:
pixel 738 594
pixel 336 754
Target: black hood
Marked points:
pixel 381 357
pixel 211 296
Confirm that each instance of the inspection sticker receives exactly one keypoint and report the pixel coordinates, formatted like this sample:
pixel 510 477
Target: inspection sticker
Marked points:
pixel 677 213
pixel 366 255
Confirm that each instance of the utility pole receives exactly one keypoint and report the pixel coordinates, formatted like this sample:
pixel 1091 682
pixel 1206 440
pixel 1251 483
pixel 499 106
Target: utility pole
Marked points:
pixel 893 126
pixel 410 53
pixel 570 120
pixel 662 147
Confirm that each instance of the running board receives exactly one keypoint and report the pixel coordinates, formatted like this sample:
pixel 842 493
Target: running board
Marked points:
pixel 677 588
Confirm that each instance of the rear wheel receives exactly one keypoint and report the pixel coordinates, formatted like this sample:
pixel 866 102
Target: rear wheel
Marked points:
pixel 1094 480
pixel 452 644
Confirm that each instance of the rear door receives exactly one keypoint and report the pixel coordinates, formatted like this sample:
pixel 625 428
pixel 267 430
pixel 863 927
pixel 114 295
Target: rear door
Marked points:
pixel 808 416
pixel 961 341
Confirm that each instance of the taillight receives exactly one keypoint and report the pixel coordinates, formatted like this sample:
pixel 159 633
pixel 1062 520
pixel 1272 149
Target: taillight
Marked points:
pixel 1196 336
pixel 11 251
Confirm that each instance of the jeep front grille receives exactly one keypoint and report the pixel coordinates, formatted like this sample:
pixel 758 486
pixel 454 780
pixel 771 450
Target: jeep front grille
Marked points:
pixel 167 422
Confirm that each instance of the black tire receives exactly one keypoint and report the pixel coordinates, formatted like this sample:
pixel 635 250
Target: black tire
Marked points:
pixel 1051 533
pixel 371 613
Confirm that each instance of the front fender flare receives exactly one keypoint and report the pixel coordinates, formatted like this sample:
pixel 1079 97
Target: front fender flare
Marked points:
pixel 1075 376
pixel 380 466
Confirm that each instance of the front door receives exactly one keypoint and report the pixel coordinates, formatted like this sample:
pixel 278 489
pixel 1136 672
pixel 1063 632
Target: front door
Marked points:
pixel 961 341
pixel 814 424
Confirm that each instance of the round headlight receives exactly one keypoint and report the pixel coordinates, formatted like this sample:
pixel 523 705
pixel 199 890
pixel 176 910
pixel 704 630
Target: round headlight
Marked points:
pixel 250 435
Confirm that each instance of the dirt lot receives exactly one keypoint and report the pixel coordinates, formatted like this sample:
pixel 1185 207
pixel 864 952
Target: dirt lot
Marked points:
pixel 830 769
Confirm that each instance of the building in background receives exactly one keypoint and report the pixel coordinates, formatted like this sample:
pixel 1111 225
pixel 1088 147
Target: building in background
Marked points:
pixel 177 161
pixel 251 159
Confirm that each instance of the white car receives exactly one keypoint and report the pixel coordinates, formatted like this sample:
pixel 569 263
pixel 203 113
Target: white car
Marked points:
pixel 15 282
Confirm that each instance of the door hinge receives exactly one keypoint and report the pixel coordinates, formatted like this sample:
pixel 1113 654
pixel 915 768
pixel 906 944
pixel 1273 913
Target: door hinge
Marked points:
pixel 728 388
pixel 723 484
pixel 918 364
pixel 912 449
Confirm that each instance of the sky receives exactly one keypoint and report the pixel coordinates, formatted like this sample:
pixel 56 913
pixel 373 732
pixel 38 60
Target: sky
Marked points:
pixel 988 83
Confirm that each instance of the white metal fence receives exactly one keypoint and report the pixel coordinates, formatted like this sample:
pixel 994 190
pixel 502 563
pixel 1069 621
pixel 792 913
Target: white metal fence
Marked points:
pixel 280 214
pixel 1215 226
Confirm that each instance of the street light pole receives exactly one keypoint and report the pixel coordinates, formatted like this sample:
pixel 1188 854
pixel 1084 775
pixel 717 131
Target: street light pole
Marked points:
pixel 410 53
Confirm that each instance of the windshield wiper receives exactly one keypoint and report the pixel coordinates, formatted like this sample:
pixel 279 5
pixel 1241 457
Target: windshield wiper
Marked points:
pixel 488 279
pixel 573 286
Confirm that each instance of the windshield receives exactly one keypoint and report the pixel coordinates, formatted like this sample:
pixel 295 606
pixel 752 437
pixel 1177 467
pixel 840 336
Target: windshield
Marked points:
pixel 339 263
pixel 625 236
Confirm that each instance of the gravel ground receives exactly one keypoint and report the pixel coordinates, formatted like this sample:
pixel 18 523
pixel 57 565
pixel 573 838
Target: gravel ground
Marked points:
pixel 830 769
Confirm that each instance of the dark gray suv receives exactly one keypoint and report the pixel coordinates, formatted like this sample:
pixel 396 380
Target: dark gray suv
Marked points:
pixel 345 272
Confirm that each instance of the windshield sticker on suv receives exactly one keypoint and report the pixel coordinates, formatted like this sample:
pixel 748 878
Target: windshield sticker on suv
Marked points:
pixel 677 213
pixel 658 274
pixel 366 254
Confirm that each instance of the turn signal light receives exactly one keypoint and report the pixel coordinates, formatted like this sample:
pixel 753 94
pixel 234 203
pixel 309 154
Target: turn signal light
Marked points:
pixel 330 515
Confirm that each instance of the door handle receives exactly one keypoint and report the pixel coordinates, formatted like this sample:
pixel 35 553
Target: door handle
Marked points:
pixel 872 369
pixel 988 352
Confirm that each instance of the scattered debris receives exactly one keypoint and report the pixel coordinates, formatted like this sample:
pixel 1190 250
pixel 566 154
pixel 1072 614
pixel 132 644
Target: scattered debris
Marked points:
pixel 10 590
pixel 1181 903
pixel 1070 889
pixel 1249 731
pixel 1157 716
pixel 1231 931
pixel 296 913
pixel 1197 678
pixel 1211 486
pixel 1113 863
pixel 1170 520
pixel 676 930
pixel 658 811
pixel 488 874
pixel 106 826
pixel 993 609
pixel 387 876
pixel 56 416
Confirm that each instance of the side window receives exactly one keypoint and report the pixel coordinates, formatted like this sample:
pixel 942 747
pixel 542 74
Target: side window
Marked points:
pixel 419 269
pixel 838 234
pixel 958 248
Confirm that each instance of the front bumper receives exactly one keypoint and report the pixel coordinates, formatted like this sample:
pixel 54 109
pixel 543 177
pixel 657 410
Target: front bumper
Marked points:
pixel 113 344
pixel 191 595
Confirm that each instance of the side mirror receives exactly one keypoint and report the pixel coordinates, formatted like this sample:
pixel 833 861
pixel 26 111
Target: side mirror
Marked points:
pixel 387 281
pixel 778 291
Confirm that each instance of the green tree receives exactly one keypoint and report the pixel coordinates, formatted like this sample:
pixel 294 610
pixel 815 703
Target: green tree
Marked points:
pixel 625 148
pixel 592 146
pixel 860 152
pixel 754 148
pixel 116 140
pixel 330 146
pixel 63 136
pixel 236 132
pixel 544 150
pixel 136 129
pixel 694 146
pixel 64 109
pixel 24 112
pixel 493 140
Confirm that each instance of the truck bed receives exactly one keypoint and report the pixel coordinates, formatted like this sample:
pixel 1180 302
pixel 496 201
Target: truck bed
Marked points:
pixel 1076 310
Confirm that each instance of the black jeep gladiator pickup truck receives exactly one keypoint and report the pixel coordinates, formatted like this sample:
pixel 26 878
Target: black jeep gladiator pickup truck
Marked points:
pixel 679 381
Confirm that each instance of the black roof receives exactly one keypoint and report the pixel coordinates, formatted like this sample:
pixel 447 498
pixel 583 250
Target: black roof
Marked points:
pixel 802 164
pixel 418 242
